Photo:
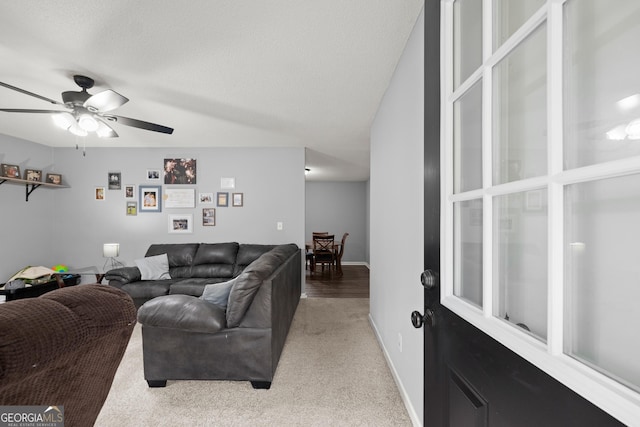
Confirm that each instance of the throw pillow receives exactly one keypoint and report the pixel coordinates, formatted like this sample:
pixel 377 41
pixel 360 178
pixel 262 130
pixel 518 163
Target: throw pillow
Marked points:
pixel 154 267
pixel 218 293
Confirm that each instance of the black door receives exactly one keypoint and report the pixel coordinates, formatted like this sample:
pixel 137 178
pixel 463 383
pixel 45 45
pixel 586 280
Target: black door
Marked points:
pixel 471 379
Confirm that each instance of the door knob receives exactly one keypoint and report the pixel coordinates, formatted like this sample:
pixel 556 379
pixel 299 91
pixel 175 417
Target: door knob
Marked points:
pixel 429 279
pixel 417 319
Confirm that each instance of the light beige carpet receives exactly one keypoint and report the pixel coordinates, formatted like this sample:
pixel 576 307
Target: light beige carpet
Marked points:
pixel 331 373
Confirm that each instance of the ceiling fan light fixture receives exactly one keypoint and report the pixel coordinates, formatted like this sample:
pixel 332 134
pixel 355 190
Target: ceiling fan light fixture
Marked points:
pixel 104 131
pixel 63 120
pixel 77 130
pixel 88 123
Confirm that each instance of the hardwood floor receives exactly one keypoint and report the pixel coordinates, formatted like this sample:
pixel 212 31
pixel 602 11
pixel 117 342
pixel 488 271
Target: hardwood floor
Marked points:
pixel 354 283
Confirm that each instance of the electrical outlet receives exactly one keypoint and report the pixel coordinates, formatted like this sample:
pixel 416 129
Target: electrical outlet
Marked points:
pixel 400 342
pixel 279 226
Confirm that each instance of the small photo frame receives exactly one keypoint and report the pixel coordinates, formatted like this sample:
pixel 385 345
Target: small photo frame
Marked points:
pixel 181 224
pixel 222 199
pixel 55 178
pixel 208 217
pixel 150 198
pixel 10 171
pixel 33 175
pixel 205 198
pixel 132 208
pixel 99 194
pixel 115 180
pixel 129 191
pixel 153 175
pixel 237 199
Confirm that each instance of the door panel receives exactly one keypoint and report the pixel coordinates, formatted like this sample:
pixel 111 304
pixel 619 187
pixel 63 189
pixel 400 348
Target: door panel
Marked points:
pixel 470 378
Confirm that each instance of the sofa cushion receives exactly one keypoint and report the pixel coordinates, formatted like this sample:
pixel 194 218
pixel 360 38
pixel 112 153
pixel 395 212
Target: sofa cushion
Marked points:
pixel 248 282
pixel 184 312
pixel 147 288
pixel 179 254
pixel 154 267
pixel 247 253
pixel 193 286
pixel 218 293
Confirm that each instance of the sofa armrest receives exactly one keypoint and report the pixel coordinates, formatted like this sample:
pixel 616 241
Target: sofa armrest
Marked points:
pixel 183 312
pixel 124 275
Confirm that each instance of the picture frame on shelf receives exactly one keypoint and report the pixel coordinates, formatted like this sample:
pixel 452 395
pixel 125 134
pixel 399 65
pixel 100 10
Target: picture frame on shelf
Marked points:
pixel 132 208
pixel 222 199
pixel 181 223
pixel 208 217
pixel 150 198
pixel 114 180
pixel 99 194
pixel 33 175
pixel 55 178
pixel 205 198
pixel 180 171
pixel 153 175
pixel 237 199
pixel 10 171
pixel 129 191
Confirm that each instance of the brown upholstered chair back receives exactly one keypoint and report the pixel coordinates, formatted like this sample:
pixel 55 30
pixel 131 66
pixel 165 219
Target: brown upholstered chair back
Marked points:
pixel 63 349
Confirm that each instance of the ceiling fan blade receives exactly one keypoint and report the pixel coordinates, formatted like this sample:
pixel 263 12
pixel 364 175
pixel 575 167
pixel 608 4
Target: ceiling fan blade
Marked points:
pixel 19 110
pixel 140 124
pixel 35 95
pixel 104 130
pixel 106 100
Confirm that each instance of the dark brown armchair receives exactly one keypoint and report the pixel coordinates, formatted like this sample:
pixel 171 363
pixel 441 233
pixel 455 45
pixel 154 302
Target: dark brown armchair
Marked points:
pixel 63 349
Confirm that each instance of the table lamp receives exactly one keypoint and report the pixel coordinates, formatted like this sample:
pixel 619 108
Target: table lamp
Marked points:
pixel 111 251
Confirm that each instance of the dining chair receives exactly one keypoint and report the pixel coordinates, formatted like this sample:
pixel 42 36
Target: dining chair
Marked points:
pixel 323 251
pixel 309 252
pixel 339 253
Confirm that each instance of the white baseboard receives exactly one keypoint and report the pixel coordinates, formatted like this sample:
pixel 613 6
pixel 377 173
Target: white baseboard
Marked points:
pixel 415 418
pixel 356 263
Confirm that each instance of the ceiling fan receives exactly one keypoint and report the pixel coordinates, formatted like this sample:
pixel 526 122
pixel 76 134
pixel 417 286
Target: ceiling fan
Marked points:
pixel 88 112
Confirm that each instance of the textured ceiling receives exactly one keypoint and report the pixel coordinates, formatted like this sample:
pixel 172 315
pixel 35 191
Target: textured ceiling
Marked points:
pixel 223 73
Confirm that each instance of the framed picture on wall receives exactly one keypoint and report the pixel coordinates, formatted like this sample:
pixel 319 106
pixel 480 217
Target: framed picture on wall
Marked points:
pixel 223 199
pixel 205 198
pixel 182 223
pixel 180 171
pixel 208 217
pixel 129 191
pixel 115 179
pixel 179 198
pixel 150 198
pixel 99 194
pixel 237 199
pixel 132 208
pixel 153 175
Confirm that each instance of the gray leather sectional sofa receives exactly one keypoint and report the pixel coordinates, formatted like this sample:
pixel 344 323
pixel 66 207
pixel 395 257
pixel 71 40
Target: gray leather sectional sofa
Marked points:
pixel 186 337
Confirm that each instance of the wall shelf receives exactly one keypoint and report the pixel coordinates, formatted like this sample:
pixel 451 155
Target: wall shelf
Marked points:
pixel 30 186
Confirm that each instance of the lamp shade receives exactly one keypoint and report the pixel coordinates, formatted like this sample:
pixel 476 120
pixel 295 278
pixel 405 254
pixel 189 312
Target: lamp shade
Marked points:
pixel 110 250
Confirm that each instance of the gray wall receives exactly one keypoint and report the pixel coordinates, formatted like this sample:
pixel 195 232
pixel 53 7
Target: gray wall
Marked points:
pixel 397 220
pixel 338 208
pixel 69 226
pixel 25 228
